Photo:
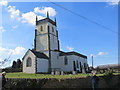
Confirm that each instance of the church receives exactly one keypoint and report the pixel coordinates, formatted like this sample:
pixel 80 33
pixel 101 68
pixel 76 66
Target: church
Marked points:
pixel 46 56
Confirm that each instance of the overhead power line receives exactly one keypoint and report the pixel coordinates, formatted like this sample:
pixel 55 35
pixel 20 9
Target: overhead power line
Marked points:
pixel 90 20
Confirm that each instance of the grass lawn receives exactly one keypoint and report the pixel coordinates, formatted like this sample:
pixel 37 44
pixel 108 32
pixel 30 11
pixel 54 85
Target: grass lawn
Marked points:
pixel 25 75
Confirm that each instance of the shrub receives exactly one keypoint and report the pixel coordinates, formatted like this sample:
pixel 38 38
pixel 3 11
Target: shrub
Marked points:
pixel 108 77
pixel 25 83
pixel 108 73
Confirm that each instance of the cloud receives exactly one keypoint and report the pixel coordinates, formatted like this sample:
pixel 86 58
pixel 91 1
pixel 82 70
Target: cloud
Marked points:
pixel 13 11
pixel 93 55
pixel 99 54
pixel 8 55
pixel 113 2
pixel 30 17
pixel 103 53
pixel 69 48
pixel 2 29
pixel 44 10
pixel 17 51
pixel 3 3
pixel 14 27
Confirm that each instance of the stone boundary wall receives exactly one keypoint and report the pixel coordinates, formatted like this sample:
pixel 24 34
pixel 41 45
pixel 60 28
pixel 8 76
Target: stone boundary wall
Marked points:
pixel 104 82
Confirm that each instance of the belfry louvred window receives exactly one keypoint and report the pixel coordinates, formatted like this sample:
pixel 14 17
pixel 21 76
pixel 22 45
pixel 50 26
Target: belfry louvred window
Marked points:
pixel 41 28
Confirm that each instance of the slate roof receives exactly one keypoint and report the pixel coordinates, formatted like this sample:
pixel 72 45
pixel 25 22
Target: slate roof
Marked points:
pixel 113 66
pixel 39 54
pixel 72 53
pixel 46 20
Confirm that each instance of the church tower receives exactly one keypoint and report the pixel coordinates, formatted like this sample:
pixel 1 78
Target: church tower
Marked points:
pixel 46 37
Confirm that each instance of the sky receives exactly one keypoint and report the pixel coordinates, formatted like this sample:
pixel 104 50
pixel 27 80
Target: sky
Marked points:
pixel 75 26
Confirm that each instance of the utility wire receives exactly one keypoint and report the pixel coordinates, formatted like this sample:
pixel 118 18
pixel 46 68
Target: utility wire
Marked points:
pixel 92 21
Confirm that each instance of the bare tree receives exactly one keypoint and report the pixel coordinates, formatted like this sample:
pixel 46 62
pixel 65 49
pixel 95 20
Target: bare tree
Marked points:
pixel 5 60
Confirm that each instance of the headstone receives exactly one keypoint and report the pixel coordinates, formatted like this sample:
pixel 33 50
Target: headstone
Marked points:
pixel 73 72
pixel 52 73
pixel 57 73
pixel 83 70
pixel 62 72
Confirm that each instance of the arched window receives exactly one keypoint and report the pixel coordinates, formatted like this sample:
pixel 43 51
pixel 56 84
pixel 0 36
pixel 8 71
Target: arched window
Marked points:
pixel 65 60
pixel 29 62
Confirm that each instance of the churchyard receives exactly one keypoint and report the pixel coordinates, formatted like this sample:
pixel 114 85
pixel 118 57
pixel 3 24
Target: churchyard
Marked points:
pixel 26 75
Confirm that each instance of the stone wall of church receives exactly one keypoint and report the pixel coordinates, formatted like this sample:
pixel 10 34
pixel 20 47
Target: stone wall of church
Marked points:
pixel 54 27
pixel 70 59
pixel 42 43
pixel 44 28
pixel 42 65
pixel 53 42
pixel 42 38
pixel 54 60
pixel 53 37
pixel 32 68
pixel 69 66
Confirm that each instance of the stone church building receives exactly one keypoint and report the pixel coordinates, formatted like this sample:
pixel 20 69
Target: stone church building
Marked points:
pixel 46 56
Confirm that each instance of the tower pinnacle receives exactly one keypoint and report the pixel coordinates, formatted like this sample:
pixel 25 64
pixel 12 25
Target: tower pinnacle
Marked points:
pixel 36 20
pixel 55 21
pixel 47 14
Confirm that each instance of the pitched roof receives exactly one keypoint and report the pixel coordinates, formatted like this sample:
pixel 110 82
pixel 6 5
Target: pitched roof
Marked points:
pixel 39 54
pixel 72 53
pixel 114 66
pixel 46 20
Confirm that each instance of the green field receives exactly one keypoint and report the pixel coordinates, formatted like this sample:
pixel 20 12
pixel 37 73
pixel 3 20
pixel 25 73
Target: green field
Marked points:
pixel 25 75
